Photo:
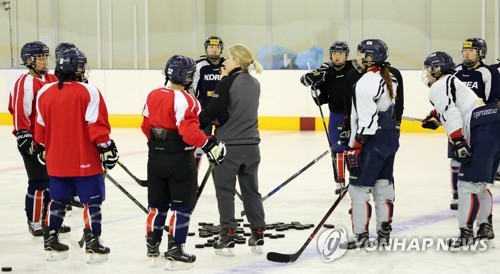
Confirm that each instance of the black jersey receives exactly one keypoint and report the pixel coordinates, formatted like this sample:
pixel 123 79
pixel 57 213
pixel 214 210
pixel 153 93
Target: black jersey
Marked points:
pixel 206 78
pixel 334 88
pixel 483 80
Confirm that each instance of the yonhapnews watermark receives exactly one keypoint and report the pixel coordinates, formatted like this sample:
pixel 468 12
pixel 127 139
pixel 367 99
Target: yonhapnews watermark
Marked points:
pixel 329 241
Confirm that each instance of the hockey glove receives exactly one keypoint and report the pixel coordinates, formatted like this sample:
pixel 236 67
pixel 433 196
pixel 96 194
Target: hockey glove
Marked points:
pixel 40 153
pixel 109 154
pixel 353 159
pixel 215 150
pixel 25 142
pixel 398 127
pixel 314 78
pixel 344 128
pixel 431 121
pixel 315 93
pixel 461 150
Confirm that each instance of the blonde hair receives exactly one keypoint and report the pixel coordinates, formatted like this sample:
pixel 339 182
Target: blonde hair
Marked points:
pixel 244 54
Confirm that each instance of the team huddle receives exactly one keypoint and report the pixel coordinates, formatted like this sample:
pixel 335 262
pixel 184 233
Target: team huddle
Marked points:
pixel 210 106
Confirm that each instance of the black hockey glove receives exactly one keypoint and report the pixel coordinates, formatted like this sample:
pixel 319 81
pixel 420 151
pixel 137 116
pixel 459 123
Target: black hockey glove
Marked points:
pixel 215 150
pixel 40 153
pixel 353 159
pixel 314 78
pixel 461 150
pixel 344 128
pixel 431 121
pixel 25 142
pixel 109 154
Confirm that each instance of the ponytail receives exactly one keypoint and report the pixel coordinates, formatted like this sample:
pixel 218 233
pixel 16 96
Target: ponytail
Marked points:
pixel 386 75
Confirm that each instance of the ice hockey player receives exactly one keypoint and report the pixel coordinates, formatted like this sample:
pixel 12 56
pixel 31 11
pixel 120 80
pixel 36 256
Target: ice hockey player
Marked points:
pixel 206 78
pixel 22 101
pixel 473 128
pixel 73 131
pixel 172 127
pixel 373 145
pixel 484 81
pixel 328 85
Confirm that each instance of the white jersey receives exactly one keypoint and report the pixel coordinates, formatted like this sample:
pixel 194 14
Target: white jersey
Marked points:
pixel 454 103
pixel 371 96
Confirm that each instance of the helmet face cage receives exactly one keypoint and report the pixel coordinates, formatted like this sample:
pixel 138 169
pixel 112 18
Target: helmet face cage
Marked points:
pixel 437 64
pixel 375 48
pixel 339 46
pixel 29 54
pixel 180 70
pixel 477 44
pixel 214 41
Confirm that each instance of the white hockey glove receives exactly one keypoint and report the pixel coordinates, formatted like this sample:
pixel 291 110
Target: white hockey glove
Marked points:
pixel 215 150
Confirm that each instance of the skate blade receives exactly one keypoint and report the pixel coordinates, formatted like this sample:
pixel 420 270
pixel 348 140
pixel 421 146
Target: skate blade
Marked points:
pixel 96 258
pixel 176 265
pixel 228 252
pixel 53 256
pixel 257 249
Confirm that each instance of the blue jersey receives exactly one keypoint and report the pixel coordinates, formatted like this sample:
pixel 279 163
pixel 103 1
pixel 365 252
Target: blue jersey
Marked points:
pixel 496 68
pixel 483 80
pixel 206 78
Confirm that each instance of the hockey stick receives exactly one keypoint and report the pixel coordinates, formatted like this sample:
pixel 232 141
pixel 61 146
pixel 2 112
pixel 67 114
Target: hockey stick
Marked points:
pixel 295 175
pixel 204 182
pixel 143 183
pixel 412 119
pixel 316 99
pixel 290 258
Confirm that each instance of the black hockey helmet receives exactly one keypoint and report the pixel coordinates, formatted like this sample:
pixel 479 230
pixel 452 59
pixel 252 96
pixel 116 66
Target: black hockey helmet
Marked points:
pixel 180 70
pixel 375 48
pixel 62 47
pixel 71 61
pixel 214 40
pixel 339 46
pixel 479 44
pixel 30 51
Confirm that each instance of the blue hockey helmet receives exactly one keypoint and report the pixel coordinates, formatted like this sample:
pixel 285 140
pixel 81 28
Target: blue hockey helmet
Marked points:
pixel 32 50
pixel 62 47
pixel 180 70
pixel 71 61
pixel 479 44
pixel 438 63
pixel 375 48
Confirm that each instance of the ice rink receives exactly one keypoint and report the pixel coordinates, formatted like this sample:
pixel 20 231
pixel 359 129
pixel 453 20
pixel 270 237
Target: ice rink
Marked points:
pixel 421 210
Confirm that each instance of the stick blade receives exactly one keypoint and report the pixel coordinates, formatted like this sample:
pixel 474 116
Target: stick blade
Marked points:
pixel 143 183
pixel 281 258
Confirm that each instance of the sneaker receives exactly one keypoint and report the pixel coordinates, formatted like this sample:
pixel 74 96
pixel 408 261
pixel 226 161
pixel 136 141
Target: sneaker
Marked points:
pixel 466 238
pixel 256 240
pixel 384 234
pixel 96 251
pixel 35 228
pixel 152 245
pixel 55 250
pixel 225 244
pixel 359 241
pixel 177 258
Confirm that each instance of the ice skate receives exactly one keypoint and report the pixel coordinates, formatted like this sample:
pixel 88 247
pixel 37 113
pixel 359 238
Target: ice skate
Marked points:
pixel 177 258
pixel 93 247
pixel 153 247
pixel 225 245
pixel 359 241
pixel 485 233
pixel 256 241
pixel 35 228
pixel 54 249
pixel 465 240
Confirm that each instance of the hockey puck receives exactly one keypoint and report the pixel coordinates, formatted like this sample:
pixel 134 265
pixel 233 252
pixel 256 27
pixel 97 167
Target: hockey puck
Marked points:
pixel 274 236
pixel 247 234
pixel 6 269
pixel 280 235
pixel 240 220
pixel 246 225
pixel 199 245
pixel 209 244
pixel 242 241
pixel 329 226
pixel 202 224
pixel 191 233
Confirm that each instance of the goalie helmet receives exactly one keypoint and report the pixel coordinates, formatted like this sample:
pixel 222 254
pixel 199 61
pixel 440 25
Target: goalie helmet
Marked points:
pixel 71 61
pixel 32 50
pixel 180 70
pixel 375 48
pixel 479 44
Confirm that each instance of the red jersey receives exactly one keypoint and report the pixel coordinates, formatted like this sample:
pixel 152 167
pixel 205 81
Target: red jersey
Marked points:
pixel 174 110
pixel 71 122
pixel 22 100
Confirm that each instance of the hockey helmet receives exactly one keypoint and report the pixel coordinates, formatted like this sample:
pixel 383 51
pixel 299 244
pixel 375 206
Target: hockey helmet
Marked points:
pixel 479 44
pixel 71 61
pixel 375 48
pixel 62 47
pixel 180 70
pixel 32 50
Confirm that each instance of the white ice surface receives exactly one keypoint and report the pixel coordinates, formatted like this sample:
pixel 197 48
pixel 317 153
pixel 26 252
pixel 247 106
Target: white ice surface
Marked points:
pixel 421 210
